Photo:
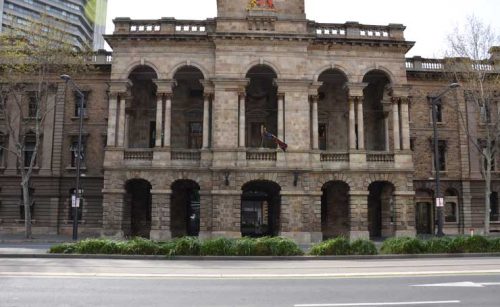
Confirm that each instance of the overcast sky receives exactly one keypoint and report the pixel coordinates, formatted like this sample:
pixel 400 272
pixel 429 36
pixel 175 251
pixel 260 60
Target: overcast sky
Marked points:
pixel 428 22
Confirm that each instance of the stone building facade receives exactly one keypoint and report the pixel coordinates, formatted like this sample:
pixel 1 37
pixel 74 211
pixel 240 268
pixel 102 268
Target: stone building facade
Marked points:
pixel 175 130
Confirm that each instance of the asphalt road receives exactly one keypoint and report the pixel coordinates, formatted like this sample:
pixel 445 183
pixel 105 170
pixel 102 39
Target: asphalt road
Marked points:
pixel 83 282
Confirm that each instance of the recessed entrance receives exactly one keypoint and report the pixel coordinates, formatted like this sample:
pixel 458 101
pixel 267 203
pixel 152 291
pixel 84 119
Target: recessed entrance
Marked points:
pixel 138 208
pixel 335 209
pixel 424 212
pixel 260 209
pixel 381 211
pixel 185 209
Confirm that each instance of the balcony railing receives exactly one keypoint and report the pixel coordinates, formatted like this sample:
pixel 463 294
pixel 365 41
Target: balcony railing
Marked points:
pixel 186 154
pixel 261 154
pixel 335 157
pixel 380 157
pixel 138 154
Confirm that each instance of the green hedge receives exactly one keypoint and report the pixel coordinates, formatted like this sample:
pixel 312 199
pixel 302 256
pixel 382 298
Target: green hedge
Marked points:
pixel 445 245
pixel 342 246
pixel 186 246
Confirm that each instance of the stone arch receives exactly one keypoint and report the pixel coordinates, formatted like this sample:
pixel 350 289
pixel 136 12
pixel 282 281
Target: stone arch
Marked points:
pixel 340 177
pixel 136 64
pixel 389 74
pixel 189 63
pixel 249 177
pixel 137 206
pixel 337 67
pixel 385 177
pixel 185 208
pixel 255 63
pixel 335 209
pixel 381 209
pixel 260 208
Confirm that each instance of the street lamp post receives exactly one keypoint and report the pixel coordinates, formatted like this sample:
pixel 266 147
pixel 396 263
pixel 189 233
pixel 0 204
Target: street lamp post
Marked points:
pixel 439 201
pixel 76 203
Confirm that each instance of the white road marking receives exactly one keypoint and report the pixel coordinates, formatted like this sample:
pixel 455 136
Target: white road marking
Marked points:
pixel 242 276
pixel 379 304
pixel 466 284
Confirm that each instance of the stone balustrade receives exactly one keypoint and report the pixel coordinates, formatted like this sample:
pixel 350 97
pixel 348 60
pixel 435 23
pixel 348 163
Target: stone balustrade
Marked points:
pixel 335 157
pixel 422 64
pixel 138 154
pixel 186 154
pixel 354 30
pixel 375 157
pixel 161 26
pixel 261 155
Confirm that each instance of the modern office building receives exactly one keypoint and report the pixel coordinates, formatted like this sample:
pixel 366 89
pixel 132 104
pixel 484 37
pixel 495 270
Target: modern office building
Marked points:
pixel 83 20
pixel 175 142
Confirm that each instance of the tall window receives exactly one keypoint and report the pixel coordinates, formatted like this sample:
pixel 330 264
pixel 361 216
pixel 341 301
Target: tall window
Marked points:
pixel 485 114
pixel 442 156
pixel 3 144
pixel 322 135
pixel 439 110
pixel 32 105
pixel 74 151
pixel 195 135
pixel 29 150
pixel 494 211
pixel 77 103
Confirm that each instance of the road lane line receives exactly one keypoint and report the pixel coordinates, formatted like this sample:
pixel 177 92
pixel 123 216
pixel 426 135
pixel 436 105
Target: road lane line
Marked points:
pixel 379 304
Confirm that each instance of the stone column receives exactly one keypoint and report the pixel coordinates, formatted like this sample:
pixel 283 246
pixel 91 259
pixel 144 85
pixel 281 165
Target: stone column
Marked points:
pixel 160 215
pixel 352 123
pixel 405 123
pixel 395 124
pixel 206 120
pixel 358 215
pixel 386 128
pixel 226 218
pixel 159 119
pixel 361 127
pixel 113 201
pixel 315 124
pixel 242 118
pixel 168 119
pixel 121 120
pixel 281 117
pixel 113 102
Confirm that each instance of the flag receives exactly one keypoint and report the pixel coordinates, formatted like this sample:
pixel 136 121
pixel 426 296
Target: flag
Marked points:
pixel 271 136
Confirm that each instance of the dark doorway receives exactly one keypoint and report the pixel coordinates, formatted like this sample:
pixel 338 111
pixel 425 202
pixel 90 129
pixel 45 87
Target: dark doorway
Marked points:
pixel 381 215
pixel 138 201
pixel 260 209
pixel 424 218
pixel 185 209
pixel 335 209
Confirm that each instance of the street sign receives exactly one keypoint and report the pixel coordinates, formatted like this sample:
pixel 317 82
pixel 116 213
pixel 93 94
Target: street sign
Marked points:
pixel 439 202
pixel 75 202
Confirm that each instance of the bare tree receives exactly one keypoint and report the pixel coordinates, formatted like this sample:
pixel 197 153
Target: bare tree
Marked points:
pixel 31 60
pixel 471 65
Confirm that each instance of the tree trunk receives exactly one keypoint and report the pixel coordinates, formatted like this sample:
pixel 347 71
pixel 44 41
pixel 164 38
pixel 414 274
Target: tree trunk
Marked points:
pixel 487 193
pixel 27 209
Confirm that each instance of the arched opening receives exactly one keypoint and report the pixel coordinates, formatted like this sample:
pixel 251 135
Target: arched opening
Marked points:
pixel 424 212
pixel 333 112
pixel 185 209
pixel 137 206
pixel 376 108
pixel 141 112
pixel 261 106
pixel 335 209
pixel 187 109
pixel 381 209
pixel 260 209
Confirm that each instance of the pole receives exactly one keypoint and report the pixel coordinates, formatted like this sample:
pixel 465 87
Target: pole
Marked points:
pixel 434 101
pixel 78 167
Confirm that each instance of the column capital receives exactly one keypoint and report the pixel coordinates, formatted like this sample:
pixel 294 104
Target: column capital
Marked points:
pixel 235 84
pixel 164 86
pixel 208 86
pixel 401 90
pixel 355 89
pixel 314 88
pixel 292 84
pixel 119 86
pixel 314 98
pixel 405 100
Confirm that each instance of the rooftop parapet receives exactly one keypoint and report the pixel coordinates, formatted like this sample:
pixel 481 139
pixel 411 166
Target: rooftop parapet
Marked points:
pixel 163 26
pixel 419 64
pixel 355 30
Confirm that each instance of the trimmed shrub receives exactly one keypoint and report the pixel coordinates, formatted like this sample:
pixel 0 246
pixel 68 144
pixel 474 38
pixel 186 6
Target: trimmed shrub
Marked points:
pixel 402 245
pixel 244 247
pixel 97 246
pixel 438 245
pixel 187 246
pixel 217 247
pixel 166 248
pixel 363 247
pixel 63 248
pixel 337 246
pixel 495 245
pixel 140 246
pixel 283 247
